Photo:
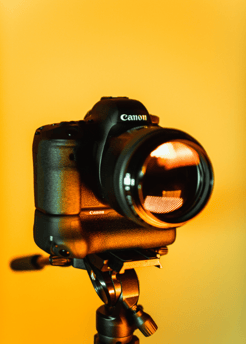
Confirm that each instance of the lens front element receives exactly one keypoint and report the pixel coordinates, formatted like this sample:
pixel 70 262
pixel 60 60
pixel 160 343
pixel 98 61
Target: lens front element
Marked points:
pixel 169 180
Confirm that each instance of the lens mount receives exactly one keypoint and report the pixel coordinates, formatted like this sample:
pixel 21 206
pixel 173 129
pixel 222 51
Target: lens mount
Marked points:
pixel 156 177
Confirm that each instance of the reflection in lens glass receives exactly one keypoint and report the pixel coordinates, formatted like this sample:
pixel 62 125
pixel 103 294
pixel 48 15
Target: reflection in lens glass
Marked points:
pixel 175 154
pixel 168 202
pixel 169 180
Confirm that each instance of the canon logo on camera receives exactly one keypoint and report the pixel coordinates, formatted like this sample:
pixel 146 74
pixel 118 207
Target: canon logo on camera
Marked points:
pixel 125 117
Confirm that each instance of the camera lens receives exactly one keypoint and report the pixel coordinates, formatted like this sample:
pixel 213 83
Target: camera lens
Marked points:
pixel 170 181
pixel 158 177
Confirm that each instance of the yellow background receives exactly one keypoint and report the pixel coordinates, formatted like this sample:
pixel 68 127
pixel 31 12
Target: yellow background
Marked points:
pixel 185 60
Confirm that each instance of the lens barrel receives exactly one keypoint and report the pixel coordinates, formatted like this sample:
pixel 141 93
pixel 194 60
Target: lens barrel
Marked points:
pixel 156 177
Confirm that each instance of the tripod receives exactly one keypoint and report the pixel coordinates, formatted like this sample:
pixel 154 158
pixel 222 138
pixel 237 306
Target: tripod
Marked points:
pixel 114 279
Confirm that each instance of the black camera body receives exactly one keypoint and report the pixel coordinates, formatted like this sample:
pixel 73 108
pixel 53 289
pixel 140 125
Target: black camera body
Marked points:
pixel 115 180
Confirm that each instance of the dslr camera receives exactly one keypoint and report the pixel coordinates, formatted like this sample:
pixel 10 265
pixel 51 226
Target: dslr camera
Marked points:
pixel 115 181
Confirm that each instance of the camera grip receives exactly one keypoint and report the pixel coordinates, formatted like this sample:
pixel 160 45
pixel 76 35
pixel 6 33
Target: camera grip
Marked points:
pixel 57 183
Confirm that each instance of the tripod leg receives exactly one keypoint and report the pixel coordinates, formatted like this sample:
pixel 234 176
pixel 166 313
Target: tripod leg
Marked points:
pixel 134 340
pixel 114 327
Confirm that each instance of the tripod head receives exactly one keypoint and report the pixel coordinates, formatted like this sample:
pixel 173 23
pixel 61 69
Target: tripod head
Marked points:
pixel 114 279
pixel 116 283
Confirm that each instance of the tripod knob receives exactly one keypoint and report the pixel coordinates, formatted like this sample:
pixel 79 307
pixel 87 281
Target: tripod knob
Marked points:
pixel 144 322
